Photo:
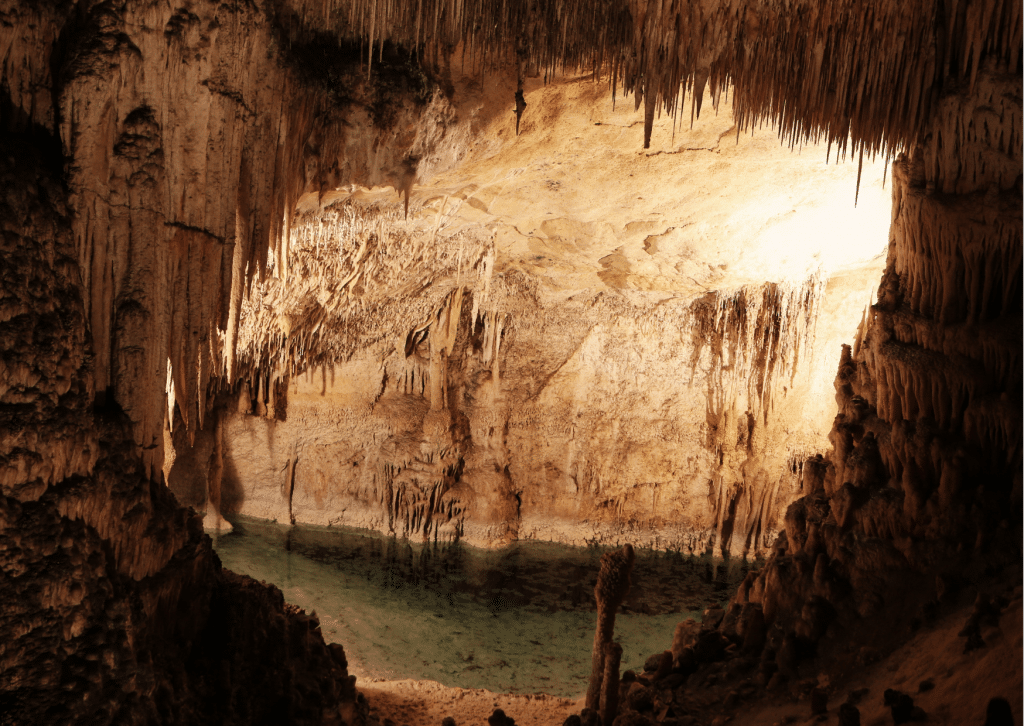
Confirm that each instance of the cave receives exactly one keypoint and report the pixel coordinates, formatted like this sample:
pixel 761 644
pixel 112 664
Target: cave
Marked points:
pixel 740 282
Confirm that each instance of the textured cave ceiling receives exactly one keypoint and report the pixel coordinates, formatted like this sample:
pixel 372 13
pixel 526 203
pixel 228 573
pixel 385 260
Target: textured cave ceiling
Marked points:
pixel 575 202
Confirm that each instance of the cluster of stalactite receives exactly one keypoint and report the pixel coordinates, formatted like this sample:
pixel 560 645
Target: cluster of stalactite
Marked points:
pixel 925 473
pixel 45 382
pixel 753 338
pixel 110 589
pixel 412 494
pixel 190 134
pixel 935 379
pixel 358 274
pixel 184 179
pixel 750 341
pixel 823 70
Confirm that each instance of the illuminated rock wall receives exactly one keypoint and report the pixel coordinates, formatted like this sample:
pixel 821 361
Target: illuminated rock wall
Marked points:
pixel 677 424
pixel 922 492
pixel 187 136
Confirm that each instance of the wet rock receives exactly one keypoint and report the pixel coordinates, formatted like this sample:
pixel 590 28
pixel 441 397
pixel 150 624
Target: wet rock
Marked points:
pixel 731 620
pixel 846 501
pixel 815 617
pixel 613 583
pixel 849 715
pixel 672 681
pixel 752 628
pixel 610 685
pixel 665 666
pixel 639 698
pixel 685 636
pixel 736 665
pixel 652 663
pixel 712 617
pixel 685 662
pixel 789 654
pixel 710 646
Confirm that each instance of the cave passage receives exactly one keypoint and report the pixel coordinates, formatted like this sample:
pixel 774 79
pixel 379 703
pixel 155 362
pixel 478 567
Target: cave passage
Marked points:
pixel 518 620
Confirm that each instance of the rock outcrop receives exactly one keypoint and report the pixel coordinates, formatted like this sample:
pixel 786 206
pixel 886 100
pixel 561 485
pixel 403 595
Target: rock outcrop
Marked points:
pixel 111 592
pixel 909 515
pixel 926 465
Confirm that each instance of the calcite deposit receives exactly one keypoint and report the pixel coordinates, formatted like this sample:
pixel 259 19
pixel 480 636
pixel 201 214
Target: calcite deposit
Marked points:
pixel 114 608
pixel 620 369
pixel 303 259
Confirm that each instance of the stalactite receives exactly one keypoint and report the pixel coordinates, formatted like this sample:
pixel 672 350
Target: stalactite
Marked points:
pixel 348 260
pixel 241 139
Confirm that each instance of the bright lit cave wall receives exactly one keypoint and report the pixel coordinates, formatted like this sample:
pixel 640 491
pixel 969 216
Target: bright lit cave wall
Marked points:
pixel 209 278
pixel 633 346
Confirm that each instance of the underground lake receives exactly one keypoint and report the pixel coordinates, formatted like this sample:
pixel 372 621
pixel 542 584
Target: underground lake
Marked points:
pixel 519 619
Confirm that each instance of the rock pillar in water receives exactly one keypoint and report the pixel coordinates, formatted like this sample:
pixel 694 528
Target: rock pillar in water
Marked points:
pixel 610 685
pixel 611 589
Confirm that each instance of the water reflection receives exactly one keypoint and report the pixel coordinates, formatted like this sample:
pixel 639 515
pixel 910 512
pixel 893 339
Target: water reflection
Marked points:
pixel 517 619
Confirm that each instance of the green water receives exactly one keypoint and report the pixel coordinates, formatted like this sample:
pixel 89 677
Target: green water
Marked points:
pixel 519 619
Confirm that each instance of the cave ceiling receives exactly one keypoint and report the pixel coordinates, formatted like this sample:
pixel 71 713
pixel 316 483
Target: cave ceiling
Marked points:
pixel 576 203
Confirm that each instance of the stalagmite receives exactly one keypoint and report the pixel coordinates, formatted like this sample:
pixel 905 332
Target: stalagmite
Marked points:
pixel 611 589
pixel 610 683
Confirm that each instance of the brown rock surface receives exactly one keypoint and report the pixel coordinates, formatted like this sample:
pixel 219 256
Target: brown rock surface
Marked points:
pixel 109 589
pixel 153 157
pixel 675 391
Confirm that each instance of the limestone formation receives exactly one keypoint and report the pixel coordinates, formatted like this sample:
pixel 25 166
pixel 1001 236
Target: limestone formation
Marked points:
pixel 202 241
pixel 716 394
pixel 110 589
pixel 609 701
pixel 611 589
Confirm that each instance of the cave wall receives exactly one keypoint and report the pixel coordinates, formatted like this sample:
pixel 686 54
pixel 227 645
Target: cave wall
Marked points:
pixel 115 608
pixel 188 136
pixel 683 424
pixel 919 501
pixel 191 132
pixel 148 153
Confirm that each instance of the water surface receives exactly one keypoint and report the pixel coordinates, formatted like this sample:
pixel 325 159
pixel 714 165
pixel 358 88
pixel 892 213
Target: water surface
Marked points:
pixel 520 619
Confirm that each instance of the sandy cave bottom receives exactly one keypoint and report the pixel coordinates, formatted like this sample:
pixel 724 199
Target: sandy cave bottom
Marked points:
pixel 517 620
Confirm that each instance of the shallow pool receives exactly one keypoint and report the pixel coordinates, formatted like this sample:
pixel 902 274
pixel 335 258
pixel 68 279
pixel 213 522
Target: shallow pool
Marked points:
pixel 519 619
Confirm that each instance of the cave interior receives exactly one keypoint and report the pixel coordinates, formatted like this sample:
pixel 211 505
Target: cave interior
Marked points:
pixel 727 279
